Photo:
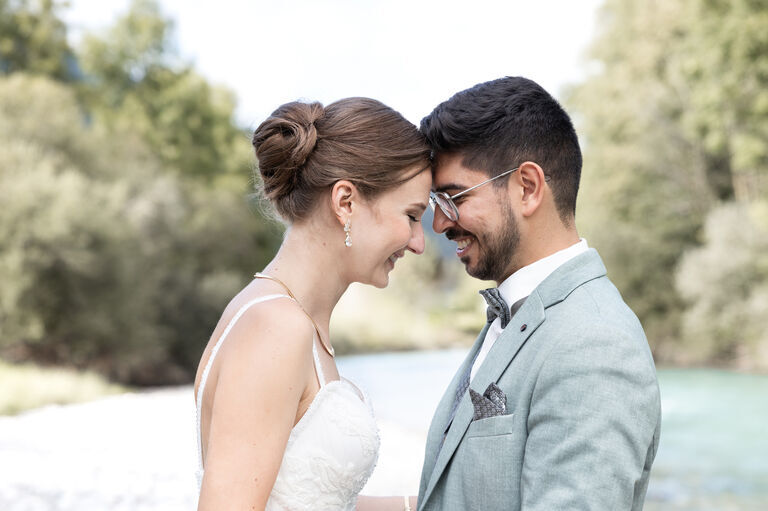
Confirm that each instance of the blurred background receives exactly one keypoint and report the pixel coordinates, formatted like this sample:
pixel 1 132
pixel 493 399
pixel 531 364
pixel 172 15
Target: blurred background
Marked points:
pixel 127 220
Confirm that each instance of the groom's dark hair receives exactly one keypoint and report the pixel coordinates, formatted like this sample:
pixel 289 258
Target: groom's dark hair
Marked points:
pixel 497 125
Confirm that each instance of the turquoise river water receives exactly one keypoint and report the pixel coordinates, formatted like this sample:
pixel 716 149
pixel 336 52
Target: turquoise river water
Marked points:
pixel 713 453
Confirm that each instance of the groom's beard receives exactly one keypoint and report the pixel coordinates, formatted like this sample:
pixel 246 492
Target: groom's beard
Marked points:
pixel 495 250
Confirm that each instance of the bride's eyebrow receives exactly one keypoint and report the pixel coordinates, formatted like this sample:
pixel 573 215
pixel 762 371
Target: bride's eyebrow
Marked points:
pixel 419 205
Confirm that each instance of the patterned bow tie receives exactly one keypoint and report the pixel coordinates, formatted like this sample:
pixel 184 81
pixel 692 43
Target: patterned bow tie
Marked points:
pixel 497 307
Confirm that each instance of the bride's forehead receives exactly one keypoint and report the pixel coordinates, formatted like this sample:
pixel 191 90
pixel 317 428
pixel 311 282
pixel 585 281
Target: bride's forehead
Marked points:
pixel 423 178
pixel 415 188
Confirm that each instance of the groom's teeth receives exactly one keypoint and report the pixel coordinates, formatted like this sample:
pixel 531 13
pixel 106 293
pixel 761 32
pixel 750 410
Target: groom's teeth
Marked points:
pixel 462 244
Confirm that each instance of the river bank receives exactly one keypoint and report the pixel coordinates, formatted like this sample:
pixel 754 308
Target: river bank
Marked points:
pixel 136 451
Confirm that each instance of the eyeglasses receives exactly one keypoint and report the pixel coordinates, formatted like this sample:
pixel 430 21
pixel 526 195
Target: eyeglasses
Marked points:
pixel 445 201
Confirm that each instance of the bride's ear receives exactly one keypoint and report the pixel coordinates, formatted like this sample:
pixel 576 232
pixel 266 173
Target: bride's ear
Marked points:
pixel 343 195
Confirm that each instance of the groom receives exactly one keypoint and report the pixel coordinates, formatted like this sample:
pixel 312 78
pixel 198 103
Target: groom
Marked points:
pixel 556 406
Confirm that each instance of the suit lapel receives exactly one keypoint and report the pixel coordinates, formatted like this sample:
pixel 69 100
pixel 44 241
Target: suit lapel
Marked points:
pixel 506 347
pixel 499 357
pixel 440 419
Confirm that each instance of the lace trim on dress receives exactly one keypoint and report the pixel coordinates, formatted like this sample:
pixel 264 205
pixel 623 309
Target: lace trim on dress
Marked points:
pixel 316 475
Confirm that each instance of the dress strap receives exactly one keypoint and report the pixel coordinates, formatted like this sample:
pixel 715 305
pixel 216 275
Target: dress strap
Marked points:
pixel 214 351
pixel 318 367
pixel 328 346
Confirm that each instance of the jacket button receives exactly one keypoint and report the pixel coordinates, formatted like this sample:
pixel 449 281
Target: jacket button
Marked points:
pixel 522 328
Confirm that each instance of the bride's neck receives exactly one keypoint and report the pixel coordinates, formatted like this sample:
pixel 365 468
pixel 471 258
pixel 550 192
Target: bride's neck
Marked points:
pixel 311 269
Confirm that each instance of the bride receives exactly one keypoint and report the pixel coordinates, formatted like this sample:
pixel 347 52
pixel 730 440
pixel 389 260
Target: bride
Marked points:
pixel 278 429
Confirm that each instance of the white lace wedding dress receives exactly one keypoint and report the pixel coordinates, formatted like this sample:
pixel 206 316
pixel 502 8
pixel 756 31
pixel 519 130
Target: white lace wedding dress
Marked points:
pixel 331 451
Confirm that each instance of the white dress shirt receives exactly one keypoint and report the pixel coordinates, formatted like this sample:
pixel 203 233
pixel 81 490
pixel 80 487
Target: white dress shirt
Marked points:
pixel 521 284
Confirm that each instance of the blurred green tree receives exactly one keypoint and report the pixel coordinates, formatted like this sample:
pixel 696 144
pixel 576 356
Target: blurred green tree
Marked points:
pixel 135 79
pixel 672 120
pixel 107 260
pixel 726 284
pixel 125 226
pixel 33 39
pixel 63 245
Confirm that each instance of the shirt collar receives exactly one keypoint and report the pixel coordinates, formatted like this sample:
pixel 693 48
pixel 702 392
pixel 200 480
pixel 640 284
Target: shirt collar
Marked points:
pixel 522 283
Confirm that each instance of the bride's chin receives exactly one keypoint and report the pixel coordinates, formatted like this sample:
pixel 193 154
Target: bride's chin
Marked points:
pixel 379 280
pixel 381 284
pixel 375 280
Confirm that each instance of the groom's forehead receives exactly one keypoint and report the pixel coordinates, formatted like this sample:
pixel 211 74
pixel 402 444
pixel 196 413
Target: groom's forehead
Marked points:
pixel 449 174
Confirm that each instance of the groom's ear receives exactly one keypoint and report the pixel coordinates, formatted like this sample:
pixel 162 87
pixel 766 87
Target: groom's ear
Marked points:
pixel 531 181
pixel 343 195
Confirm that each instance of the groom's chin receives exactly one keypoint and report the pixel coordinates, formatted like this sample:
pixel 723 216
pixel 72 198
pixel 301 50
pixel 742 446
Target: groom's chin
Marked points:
pixel 476 270
pixel 468 267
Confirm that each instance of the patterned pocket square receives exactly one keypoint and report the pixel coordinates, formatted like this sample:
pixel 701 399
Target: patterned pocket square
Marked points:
pixel 493 402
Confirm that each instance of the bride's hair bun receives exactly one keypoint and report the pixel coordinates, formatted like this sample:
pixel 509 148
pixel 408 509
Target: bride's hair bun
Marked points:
pixel 283 143
pixel 304 148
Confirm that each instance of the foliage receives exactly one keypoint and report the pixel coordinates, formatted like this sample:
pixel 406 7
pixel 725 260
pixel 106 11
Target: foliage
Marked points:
pixel 672 122
pixel 107 260
pixel 726 283
pixel 125 227
pixel 721 68
pixel 135 80
pixel 33 39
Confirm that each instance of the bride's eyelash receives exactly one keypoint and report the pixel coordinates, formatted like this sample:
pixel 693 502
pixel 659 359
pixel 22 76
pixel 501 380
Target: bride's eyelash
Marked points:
pixel 414 216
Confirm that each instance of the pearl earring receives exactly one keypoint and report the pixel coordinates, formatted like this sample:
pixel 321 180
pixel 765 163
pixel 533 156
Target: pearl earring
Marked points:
pixel 347 239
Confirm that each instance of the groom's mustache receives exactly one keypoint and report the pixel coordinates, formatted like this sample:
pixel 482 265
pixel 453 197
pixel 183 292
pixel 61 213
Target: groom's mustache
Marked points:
pixel 452 233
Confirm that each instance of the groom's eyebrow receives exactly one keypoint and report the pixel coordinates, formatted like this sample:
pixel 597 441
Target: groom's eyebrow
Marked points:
pixel 449 187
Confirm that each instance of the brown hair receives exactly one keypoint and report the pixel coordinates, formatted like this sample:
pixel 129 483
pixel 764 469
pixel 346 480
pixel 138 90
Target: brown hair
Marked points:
pixel 304 148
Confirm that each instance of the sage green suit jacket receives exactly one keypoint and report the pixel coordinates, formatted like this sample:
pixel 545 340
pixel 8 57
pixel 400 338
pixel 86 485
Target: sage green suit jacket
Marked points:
pixel 583 405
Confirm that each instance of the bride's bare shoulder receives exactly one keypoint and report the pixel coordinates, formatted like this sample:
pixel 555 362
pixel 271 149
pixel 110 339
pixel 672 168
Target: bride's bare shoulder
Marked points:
pixel 277 323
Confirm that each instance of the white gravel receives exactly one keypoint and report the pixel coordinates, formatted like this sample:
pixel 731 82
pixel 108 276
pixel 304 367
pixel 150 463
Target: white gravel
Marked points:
pixel 137 452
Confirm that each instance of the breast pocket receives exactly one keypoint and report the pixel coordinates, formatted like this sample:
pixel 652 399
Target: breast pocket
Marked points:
pixel 487 462
pixel 491 426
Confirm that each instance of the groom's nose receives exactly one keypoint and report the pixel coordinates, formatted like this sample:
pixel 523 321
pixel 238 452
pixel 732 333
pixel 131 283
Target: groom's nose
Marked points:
pixel 440 222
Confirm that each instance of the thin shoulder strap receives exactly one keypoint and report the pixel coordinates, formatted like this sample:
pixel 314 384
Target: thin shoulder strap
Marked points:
pixel 318 367
pixel 214 351
pixel 326 347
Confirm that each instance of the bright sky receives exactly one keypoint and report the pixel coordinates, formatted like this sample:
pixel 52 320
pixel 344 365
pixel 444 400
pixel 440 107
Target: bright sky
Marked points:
pixel 410 54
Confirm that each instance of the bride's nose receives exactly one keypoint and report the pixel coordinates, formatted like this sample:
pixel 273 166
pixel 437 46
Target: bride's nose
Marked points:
pixel 416 243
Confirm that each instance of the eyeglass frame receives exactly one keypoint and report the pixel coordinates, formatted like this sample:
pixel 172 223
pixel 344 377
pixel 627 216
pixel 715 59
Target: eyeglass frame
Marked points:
pixel 449 198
